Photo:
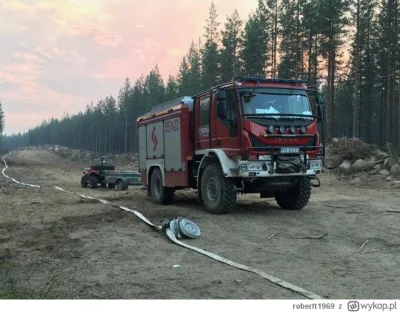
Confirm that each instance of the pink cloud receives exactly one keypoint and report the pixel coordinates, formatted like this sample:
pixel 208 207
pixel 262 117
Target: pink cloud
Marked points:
pixel 27 56
pixel 97 34
pixel 62 54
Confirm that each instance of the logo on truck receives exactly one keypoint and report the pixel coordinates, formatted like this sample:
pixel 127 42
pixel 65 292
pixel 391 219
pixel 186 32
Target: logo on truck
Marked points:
pixel 154 138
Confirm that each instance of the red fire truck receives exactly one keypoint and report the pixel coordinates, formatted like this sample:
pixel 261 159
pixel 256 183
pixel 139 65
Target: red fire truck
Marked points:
pixel 250 135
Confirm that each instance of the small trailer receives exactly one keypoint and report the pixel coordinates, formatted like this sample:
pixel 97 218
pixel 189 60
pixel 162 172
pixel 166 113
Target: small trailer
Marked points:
pixel 121 179
pixel 105 175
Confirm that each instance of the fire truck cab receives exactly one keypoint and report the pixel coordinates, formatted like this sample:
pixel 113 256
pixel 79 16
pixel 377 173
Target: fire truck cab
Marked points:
pixel 251 135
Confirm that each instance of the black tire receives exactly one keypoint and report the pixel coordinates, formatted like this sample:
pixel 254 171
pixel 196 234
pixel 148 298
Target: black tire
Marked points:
pixel 160 195
pixel 297 197
pixel 120 185
pixel 93 181
pixel 111 186
pixel 84 181
pixel 218 193
pixel 126 185
pixel 199 193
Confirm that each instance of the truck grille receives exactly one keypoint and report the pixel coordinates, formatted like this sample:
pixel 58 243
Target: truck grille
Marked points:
pixel 255 142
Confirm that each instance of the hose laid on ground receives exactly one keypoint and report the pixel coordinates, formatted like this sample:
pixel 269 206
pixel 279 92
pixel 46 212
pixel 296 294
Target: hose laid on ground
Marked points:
pixel 172 237
pixel 12 179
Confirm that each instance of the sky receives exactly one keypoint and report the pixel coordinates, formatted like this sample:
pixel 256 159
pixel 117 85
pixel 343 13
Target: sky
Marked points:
pixel 56 56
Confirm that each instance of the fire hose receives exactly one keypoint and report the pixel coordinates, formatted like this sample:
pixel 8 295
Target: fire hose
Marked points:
pixel 178 228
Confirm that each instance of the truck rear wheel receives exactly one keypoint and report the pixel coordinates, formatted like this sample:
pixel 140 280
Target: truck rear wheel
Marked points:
pixel 297 197
pixel 93 181
pixel 218 193
pixel 160 194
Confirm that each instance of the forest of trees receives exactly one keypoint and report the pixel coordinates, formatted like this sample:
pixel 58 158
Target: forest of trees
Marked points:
pixel 348 48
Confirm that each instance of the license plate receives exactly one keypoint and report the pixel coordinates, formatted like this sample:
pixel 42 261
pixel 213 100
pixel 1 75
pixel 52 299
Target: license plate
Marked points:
pixel 290 150
pixel 254 167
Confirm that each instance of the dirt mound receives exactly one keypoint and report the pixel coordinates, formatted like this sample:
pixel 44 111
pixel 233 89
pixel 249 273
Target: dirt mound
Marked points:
pixel 358 162
pixel 86 157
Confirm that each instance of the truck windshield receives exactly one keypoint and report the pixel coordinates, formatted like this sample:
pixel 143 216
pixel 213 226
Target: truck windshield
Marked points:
pixel 262 102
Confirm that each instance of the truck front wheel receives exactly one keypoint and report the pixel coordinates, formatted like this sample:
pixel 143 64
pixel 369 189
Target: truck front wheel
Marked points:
pixel 218 193
pixel 297 197
pixel 160 194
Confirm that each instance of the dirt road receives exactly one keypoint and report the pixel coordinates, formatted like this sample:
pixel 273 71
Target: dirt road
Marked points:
pixel 58 245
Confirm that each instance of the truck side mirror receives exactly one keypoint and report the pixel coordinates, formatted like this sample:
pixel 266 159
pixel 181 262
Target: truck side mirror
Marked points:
pixel 321 106
pixel 222 109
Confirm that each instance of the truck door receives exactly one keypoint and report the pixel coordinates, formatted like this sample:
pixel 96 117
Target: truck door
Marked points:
pixel 202 121
pixel 225 132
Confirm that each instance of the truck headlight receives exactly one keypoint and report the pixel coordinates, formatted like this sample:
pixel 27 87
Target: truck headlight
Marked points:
pixel 271 129
pixel 315 164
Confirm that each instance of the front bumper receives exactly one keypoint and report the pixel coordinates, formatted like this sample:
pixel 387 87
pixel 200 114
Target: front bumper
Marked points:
pixel 268 167
pixel 264 168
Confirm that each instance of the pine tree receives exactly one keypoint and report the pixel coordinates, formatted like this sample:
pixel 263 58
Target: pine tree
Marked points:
pixel 171 89
pixel 364 68
pixel 123 109
pixel 295 46
pixel 210 58
pixel 333 29
pixel 273 35
pixel 312 27
pixel 194 71
pixel 255 42
pixel 184 78
pixel 154 87
pixel 231 47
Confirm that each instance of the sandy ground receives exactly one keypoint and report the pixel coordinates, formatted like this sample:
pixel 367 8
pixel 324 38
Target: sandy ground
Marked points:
pixel 58 245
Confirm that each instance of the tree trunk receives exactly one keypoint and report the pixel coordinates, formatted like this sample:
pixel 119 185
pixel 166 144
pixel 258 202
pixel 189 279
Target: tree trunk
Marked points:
pixel 395 109
pixel 126 131
pixel 357 81
pixel 275 41
pixel 369 83
pixel 389 76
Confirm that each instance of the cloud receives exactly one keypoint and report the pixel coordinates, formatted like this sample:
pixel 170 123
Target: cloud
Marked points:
pixel 27 57
pixel 58 55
